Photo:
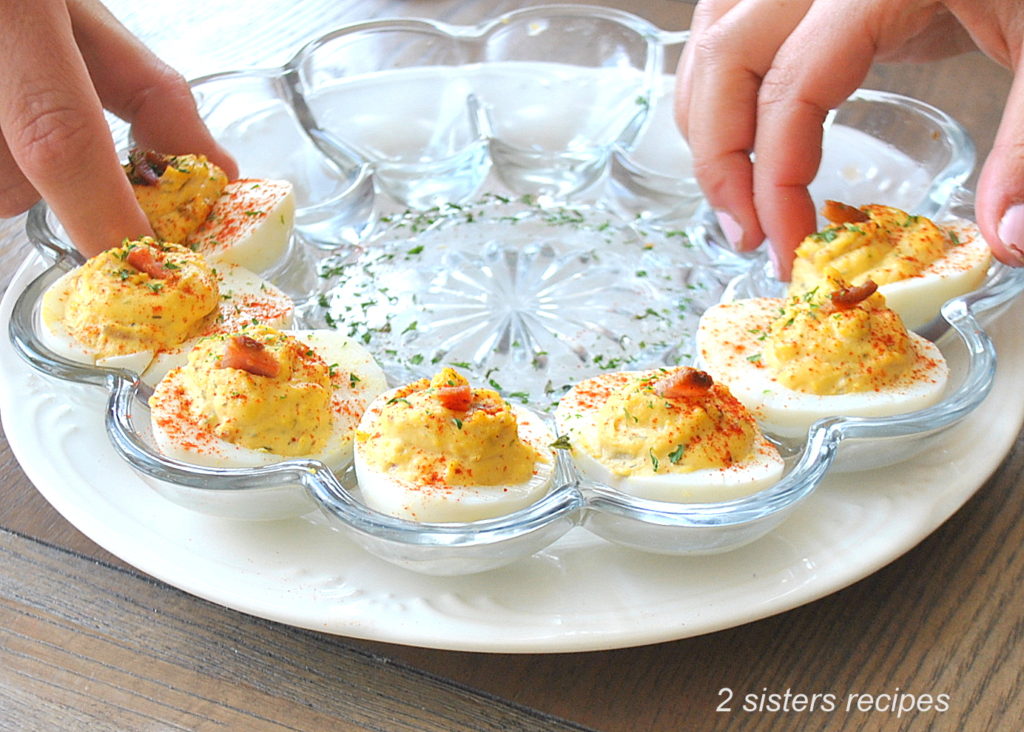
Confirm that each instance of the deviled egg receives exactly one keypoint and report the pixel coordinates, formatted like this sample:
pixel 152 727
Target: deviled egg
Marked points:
pixel 916 264
pixel 188 200
pixel 142 305
pixel 666 435
pixel 438 450
pixel 260 396
pixel 835 350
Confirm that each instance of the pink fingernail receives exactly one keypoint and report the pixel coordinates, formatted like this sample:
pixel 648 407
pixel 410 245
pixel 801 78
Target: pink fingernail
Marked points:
pixel 1011 230
pixel 730 227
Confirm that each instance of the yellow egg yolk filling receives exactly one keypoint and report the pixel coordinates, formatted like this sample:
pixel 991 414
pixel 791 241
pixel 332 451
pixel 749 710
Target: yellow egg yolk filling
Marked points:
pixel 817 347
pixel 285 413
pixel 179 199
pixel 637 431
pixel 115 308
pixel 441 432
pixel 889 246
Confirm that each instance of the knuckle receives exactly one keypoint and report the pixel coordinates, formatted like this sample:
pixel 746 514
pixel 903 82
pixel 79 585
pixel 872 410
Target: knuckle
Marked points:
pixel 714 43
pixel 164 85
pixel 46 132
pixel 776 87
pixel 712 181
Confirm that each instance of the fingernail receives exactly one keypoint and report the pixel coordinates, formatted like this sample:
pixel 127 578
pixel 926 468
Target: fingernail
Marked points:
pixel 729 226
pixel 1011 231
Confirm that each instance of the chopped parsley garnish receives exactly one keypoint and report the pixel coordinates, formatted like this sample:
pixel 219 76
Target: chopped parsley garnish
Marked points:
pixel 676 455
pixel 562 443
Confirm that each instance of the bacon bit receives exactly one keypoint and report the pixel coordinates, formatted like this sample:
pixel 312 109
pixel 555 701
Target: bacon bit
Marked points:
pixel 455 398
pixel 842 213
pixel 145 167
pixel 686 382
pixel 142 259
pixel 848 297
pixel 248 354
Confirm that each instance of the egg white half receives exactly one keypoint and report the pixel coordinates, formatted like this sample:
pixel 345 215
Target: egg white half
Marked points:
pixel 577 413
pixel 394 496
pixel 729 351
pixel 244 297
pixel 250 224
pixel 192 442
pixel 54 335
pixel 918 299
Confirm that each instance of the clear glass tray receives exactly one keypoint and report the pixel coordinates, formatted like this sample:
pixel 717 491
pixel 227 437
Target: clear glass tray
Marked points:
pixel 530 261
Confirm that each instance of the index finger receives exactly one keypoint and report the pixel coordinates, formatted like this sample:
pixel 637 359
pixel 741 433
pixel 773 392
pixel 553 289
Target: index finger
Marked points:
pixel 727 64
pixel 55 129
pixel 822 62
pixel 140 88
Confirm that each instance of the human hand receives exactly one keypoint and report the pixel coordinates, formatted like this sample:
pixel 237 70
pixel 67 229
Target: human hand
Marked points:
pixel 64 62
pixel 786 63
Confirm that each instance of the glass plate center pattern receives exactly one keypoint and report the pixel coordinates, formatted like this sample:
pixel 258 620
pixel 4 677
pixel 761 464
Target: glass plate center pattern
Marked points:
pixel 526 297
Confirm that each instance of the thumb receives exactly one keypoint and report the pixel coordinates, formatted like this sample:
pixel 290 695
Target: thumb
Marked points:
pixel 1000 198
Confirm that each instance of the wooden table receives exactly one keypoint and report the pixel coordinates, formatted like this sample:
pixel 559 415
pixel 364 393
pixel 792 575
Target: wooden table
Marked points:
pixel 88 642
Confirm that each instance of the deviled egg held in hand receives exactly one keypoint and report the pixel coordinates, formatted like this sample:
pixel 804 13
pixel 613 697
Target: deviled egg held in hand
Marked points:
pixel 189 200
pixel 142 305
pixel 666 435
pixel 261 396
pixel 916 264
pixel 835 350
pixel 438 450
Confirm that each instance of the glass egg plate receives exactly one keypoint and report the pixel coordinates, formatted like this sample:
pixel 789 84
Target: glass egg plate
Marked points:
pixel 477 200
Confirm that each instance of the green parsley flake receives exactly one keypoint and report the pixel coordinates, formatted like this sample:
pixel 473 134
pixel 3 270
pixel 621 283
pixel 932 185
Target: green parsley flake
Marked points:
pixel 562 443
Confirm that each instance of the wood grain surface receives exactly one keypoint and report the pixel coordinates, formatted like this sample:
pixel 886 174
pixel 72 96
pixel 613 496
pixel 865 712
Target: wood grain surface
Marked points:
pixel 88 642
